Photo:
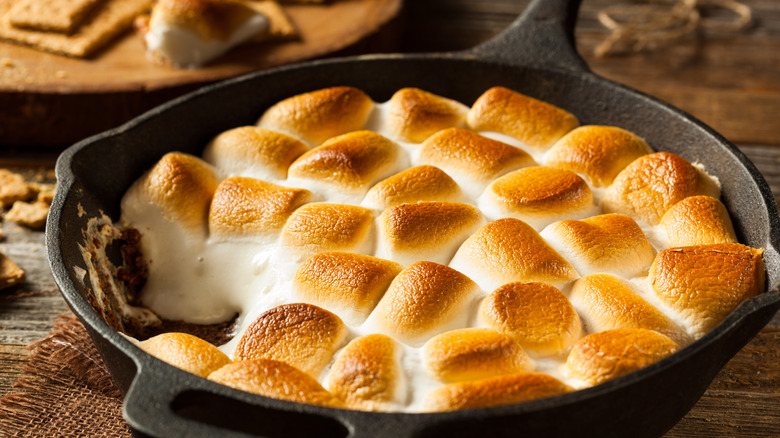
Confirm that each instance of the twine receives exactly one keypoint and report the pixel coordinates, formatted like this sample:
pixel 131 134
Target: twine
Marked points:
pixel 644 26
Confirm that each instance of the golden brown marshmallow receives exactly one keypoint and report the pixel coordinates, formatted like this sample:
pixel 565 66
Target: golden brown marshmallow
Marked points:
pixel 419 183
pixel 319 115
pixel 474 353
pixel 251 151
pixel 346 283
pixel 367 374
pixel 425 299
pixel 473 160
pixel 186 352
pixel 608 302
pixel 416 114
pixel 705 283
pixel 606 355
pixel 535 314
pixel 537 124
pixel 318 227
pixel 302 335
pixel 430 231
pixel 209 19
pixel 653 183
pixel 274 379
pixel 698 220
pixel 509 250
pixel 250 207
pixel 606 243
pixel 350 162
pixel 182 186
pixel 512 388
pixel 538 196
pixel 598 152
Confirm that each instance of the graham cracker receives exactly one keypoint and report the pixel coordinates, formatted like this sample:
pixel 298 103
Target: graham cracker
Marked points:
pixel 102 24
pixel 281 26
pixel 63 16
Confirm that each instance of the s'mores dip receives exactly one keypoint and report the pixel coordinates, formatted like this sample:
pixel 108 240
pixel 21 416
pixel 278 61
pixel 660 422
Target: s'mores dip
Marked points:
pixel 421 255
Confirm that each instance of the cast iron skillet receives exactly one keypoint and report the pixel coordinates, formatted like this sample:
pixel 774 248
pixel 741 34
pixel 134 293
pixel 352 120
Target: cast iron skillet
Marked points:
pixel 535 56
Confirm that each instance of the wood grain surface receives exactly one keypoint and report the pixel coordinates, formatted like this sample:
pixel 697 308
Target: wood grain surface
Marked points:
pixel 731 82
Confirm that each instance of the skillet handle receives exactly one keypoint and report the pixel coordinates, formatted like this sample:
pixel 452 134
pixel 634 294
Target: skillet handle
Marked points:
pixel 163 401
pixel 542 36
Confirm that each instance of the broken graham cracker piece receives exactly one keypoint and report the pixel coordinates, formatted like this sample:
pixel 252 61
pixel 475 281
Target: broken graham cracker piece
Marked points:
pixel 12 188
pixel 10 272
pixel 281 26
pixel 111 18
pixel 63 16
pixel 32 215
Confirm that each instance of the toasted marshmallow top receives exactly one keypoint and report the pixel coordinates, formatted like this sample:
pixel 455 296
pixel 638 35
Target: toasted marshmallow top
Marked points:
pixel 653 183
pixel 537 315
pixel 367 374
pixel 380 271
pixel 417 114
pixel 606 355
pixel 535 123
pixel 319 115
pixel 598 152
pixel 430 231
pixel 471 157
pixel 274 379
pixel 190 33
pixel 512 388
pixel 538 196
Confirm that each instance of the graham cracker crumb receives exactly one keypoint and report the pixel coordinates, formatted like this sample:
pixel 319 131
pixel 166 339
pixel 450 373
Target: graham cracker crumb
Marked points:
pixel 10 272
pixel 32 215
pixel 12 188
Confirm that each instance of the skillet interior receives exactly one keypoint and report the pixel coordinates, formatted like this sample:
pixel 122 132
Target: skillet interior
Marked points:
pixel 163 401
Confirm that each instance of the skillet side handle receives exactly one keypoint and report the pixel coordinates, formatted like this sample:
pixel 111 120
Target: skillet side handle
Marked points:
pixel 148 408
pixel 542 36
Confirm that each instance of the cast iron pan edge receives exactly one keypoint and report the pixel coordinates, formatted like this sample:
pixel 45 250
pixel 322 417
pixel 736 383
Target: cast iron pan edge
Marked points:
pixel 163 401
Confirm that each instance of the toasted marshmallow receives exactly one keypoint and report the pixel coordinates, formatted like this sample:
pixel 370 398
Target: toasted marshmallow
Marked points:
pixel 180 186
pixel 705 283
pixel 190 33
pixel 346 283
pixel 302 335
pixel 248 207
pixel 472 354
pixel 367 374
pixel 509 250
pixel 274 379
pixel 349 163
pixel 425 299
pixel 608 302
pixel 535 123
pixel 606 355
pixel 538 196
pixel 501 390
pixel 605 243
pixel 698 220
pixel 535 314
pixel 471 159
pixel 318 227
pixel 255 152
pixel 187 352
pixel 419 183
pixel 319 115
pixel 598 152
pixel 416 114
pixel 430 231
pixel 653 183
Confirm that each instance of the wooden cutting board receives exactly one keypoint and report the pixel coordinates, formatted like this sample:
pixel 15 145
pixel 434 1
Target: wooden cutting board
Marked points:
pixel 48 100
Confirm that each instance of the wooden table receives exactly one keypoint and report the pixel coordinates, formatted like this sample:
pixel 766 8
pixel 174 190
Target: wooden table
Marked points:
pixel 732 82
